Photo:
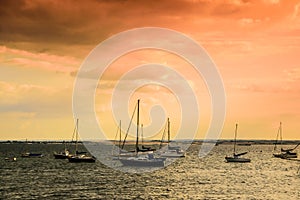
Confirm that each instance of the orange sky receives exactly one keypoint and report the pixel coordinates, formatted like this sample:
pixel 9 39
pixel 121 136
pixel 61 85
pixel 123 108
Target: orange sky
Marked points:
pixel 255 45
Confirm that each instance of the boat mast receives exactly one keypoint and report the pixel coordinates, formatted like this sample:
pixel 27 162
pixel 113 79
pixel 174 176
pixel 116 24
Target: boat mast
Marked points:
pixel 128 127
pixel 142 133
pixel 76 144
pixel 120 135
pixel 236 126
pixel 168 131
pixel 137 126
pixel 280 130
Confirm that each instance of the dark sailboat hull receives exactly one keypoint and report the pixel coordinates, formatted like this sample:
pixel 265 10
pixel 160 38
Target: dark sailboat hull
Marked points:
pixel 60 156
pixel 32 155
pixel 237 160
pixel 87 159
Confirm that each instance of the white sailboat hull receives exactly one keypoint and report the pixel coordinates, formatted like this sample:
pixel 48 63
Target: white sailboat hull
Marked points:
pixel 137 162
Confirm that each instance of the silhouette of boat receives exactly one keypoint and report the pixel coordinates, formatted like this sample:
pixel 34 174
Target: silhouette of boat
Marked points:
pixel 284 153
pixel 31 155
pixel 62 155
pixel 80 157
pixel 144 160
pixel 170 151
pixel 236 157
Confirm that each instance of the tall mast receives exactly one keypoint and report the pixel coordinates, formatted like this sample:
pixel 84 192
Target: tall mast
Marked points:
pixel 236 126
pixel 137 126
pixel 168 131
pixel 142 133
pixel 76 144
pixel 120 129
pixel 280 130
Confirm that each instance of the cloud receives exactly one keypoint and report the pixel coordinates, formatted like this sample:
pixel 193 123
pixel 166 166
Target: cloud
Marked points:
pixel 40 100
pixel 293 75
pixel 73 22
pixel 271 1
pixel 49 62
pixel 296 11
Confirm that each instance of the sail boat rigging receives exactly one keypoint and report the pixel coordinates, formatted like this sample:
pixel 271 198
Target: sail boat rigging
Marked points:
pixel 236 157
pixel 30 154
pixel 144 148
pixel 65 154
pixel 124 153
pixel 284 153
pixel 171 151
pixel 146 160
pixel 62 155
pixel 80 156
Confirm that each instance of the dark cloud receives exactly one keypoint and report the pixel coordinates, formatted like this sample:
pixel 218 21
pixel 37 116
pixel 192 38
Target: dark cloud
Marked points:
pixel 73 22
pixel 87 22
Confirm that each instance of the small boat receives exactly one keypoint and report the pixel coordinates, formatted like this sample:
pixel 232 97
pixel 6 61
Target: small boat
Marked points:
pixel 80 157
pixel 141 160
pixel 236 157
pixel 284 153
pixel 28 154
pixel 171 151
pixel 31 155
pixel 10 159
pixel 120 152
pixel 62 155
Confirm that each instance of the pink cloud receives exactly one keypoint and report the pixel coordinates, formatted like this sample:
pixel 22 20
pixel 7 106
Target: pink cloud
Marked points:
pixel 21 58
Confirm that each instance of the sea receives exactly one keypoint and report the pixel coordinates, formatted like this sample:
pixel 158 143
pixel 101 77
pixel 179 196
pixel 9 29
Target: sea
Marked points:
pixel 190 177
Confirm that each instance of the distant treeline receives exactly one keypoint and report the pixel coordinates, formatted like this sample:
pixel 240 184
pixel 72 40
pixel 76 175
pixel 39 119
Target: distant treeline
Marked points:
pixel 36 142
pixel 218 142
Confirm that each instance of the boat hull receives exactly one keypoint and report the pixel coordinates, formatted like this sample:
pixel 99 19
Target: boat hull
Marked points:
pixel 82 159
pixel 237 160
pixel 32 155
pixel 60 156
pixel 285 155
pixel 172 155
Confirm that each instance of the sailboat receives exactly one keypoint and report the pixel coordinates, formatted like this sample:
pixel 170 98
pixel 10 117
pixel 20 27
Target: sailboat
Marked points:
pixel 171 151
pixel 236 157
pixel 284 153
pixel 65 154
pixel 62 155
pixel 120 152
pixel 31 154
pixel 144 160
pixel 132 153
pixel 80 156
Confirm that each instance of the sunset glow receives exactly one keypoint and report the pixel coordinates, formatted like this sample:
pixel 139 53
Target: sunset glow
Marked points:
pixel 254 44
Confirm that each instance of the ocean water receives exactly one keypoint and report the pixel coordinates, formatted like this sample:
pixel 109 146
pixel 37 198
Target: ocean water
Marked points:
pixel 187 178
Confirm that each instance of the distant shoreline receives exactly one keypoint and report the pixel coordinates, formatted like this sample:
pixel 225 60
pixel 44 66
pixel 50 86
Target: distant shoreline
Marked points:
pixel 219 142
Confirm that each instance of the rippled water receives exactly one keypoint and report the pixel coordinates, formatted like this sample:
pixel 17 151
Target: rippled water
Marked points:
pixel 188 178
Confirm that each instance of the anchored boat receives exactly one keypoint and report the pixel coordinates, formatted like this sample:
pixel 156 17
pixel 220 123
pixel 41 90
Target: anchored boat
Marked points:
pixel 284 153
pixel 80 157
pixel 141 160
pixel 236 157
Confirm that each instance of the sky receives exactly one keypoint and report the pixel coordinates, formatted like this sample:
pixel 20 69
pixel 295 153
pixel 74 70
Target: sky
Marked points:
pixel 254 44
